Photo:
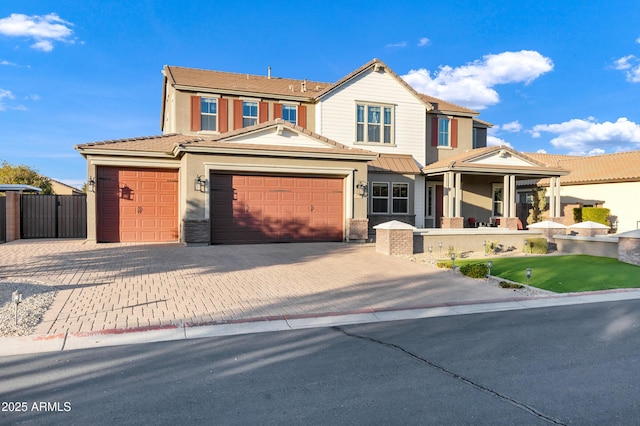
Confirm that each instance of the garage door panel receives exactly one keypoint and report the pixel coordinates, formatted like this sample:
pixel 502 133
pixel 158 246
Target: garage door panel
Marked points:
pixel 130 203
pixel 276 208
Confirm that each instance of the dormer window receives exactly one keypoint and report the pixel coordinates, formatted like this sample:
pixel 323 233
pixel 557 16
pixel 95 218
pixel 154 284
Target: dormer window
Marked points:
pixel 374 124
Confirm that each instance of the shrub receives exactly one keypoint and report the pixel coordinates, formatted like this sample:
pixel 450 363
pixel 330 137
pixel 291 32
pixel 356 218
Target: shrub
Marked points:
pixel 475 270
pixel 536 246
pixel 443 264
pixel 506 284
pixel 577 214
pixel 596 214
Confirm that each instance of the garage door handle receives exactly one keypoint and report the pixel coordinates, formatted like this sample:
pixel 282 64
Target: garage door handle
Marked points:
pixel 139 209
pixel 247 208
pixel 312 208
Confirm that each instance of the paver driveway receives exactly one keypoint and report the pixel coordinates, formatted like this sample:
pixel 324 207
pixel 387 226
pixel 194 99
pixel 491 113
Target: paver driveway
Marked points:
pixel 123 286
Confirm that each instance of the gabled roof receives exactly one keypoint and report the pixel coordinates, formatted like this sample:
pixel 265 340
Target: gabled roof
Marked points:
pixel 176 144
pixel 244 83
pixel 618 167
pixel 375 63
pixel 493 159
pixel 394 163
pixel 443 106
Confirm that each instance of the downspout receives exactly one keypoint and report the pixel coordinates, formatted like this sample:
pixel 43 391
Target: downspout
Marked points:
pixel 353 193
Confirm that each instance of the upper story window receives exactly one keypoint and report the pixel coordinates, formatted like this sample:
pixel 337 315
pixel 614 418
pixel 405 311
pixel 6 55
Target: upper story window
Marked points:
pixel 290 113
pixel 249 113
pixel 374 123
pixel 208 114
pixel 444 132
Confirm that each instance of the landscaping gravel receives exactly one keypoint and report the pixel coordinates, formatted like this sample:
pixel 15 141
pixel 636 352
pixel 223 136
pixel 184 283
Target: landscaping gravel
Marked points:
pixel 36 299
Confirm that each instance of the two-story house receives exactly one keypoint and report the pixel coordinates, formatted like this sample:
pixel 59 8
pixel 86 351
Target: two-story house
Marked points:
pixel 246 158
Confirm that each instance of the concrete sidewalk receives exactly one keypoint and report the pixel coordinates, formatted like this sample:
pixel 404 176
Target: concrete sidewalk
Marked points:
pixel 121 293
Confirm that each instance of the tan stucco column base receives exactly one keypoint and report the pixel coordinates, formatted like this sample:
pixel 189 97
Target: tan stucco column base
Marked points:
pixel 358 230
pixel 452 222
pixel 13 216
pixel 394 238
pixel 589 232
pixel 549 233
pixel 629 247
pixel 509 223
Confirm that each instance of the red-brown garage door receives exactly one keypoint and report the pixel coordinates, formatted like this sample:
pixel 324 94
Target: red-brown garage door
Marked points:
pixel 248 209
pixel 137 205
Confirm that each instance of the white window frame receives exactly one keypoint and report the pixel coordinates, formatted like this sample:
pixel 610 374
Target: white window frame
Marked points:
pixel 294 108
pixel 383 125
pixel 441 133
pixel 249 117
pixel 393 197
pixel 210 100
pixel 379 197
pixel 498 212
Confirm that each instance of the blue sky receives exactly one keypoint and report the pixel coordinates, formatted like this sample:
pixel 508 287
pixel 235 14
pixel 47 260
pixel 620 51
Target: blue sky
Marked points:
pixel 557 76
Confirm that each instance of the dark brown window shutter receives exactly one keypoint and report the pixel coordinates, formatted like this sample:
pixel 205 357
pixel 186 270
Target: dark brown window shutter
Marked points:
pixel 263 112
pixel 302 116
pixel 434 131
pixel 195 113
pixel 277 110
pixel 237 114
pixel 223 115
pixel 454 133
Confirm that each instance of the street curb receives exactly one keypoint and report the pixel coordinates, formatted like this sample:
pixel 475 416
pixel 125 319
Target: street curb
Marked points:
pixel 21 345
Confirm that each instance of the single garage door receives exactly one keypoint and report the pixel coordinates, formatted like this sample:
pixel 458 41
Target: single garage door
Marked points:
pixel 247 209
pixel 137 205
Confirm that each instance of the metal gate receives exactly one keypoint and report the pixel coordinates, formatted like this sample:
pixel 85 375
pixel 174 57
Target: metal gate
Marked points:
pixel 3 219
pixel 53 216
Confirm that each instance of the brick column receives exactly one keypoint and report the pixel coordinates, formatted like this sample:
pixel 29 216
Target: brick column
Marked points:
pixel 358 229
pixel 394 238
pixel 452 222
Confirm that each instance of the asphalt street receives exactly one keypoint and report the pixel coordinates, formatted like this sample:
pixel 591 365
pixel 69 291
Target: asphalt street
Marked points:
pixel 563 365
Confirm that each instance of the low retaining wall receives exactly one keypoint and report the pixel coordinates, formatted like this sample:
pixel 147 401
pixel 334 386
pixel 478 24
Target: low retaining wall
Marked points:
pixel 595 246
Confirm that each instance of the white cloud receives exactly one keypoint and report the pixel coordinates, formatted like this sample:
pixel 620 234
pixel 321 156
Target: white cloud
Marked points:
pixel 623 63
pixel 423 41
pixel 495 141
pixel 44 29
pixel 11 64
pixel 399 44
pixel 596 151
pixel 541 151
pixel 5 94
pixel 638 40
pixel 586 135
pixel 472 85
pixel 513 127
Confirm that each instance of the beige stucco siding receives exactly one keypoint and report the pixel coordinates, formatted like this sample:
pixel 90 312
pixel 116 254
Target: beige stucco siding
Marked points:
pixel 465 141
pixel 620 197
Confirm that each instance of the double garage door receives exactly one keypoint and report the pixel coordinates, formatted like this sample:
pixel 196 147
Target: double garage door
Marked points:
pixel 141 205
pixel 256 209
pixel 137 205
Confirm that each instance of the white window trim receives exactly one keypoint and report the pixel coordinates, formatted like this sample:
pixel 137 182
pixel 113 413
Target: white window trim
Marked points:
pixel 495 186
pixel 392 198
pixel 448 145
pixel 382 125
pixel 257 117
pixel 291 105
pixel 208 131
pixel 380 198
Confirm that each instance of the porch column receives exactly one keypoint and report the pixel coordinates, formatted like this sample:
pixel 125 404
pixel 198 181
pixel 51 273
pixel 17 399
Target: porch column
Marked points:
pixel 558 202
pixel 451 194
pixel 445 195
pixel 458 212
pixel 506 191
pixel 512 197
pixel 552 197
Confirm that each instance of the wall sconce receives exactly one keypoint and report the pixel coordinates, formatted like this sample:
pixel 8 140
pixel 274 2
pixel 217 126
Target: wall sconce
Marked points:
pixel 200 184
pixel 92 184
pixel 362 188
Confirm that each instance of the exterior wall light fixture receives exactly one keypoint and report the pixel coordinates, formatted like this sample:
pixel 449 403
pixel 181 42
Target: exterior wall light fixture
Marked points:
pixel 92 184
pixel 200 184
pixel 362 188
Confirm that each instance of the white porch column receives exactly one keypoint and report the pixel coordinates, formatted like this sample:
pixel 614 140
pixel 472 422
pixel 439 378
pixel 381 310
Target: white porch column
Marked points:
pixel 451 194
pixel 445 195
pixel 458 211
pixel 506 202
pixel 552 197
pixel 558 202
pixel 512 196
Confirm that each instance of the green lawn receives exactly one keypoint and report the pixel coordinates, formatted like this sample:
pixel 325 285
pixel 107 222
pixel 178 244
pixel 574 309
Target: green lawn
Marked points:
pixel 565 274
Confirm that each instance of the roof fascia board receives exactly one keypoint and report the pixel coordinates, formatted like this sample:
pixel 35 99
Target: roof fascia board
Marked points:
pixel 276 153
pixel 119 153
pixel 242 93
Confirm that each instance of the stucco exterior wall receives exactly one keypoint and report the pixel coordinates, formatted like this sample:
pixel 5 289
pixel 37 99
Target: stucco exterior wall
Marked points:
pixel 619 197
pixel 465 141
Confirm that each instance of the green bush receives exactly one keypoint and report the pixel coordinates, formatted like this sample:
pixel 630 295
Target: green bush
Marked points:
pixel 506 284
pixel 475 270
pixel 536 246
pixel 596 214
pixel 577 214
pixel 443 264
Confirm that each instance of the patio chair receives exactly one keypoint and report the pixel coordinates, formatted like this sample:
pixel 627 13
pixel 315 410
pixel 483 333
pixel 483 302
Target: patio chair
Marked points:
pixel 472 222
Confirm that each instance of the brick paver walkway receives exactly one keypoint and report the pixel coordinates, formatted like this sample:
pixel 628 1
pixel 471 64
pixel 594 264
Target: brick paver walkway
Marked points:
pixel 109 286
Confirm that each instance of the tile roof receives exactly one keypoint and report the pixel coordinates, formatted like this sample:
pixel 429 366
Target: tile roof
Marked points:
pixel 618 167
pixel 247 83
pixel 158 144
pixel 394 163
pixel 442 105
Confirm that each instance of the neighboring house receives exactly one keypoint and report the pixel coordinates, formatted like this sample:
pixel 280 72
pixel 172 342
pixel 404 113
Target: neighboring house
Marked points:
pixel 610 180
pixel 247 158
pixel 60 188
